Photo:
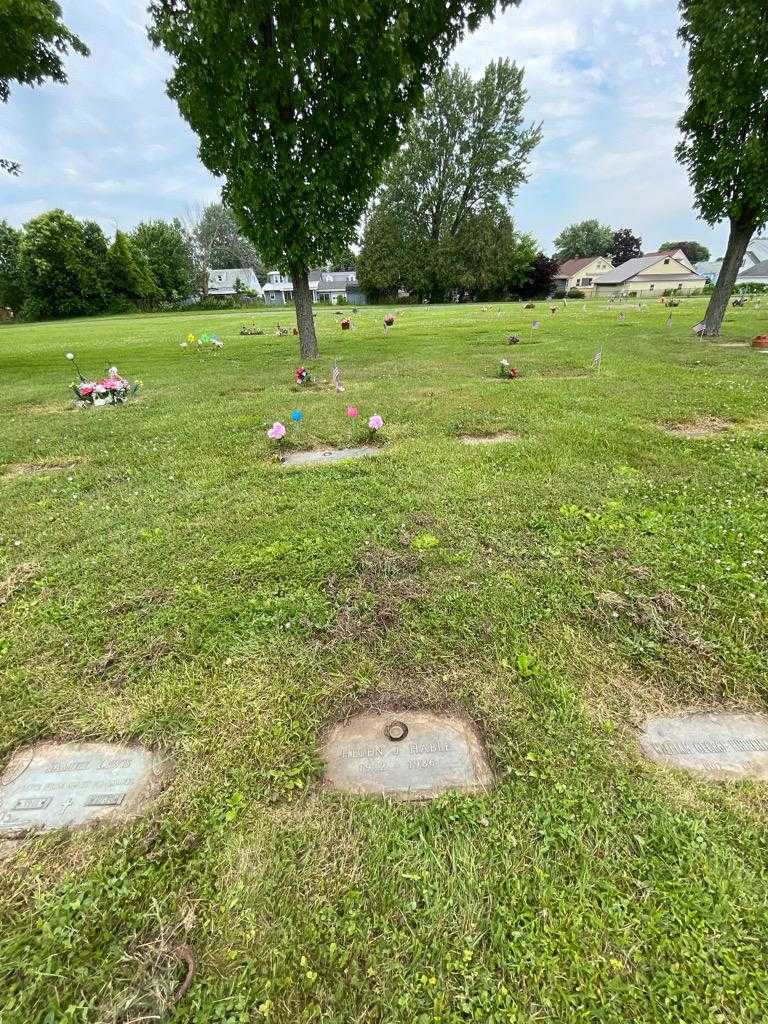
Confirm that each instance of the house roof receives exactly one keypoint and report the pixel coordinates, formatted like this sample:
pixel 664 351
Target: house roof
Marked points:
pixel 636 266
pixel 226 280
pixel 571 267
pixel 758 270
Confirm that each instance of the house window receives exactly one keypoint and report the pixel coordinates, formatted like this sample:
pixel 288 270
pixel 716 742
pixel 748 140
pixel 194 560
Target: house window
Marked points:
pixel 651 288
pixel 666 262
pixel 586 282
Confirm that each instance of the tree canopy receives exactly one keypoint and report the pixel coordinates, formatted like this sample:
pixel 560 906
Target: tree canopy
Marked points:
pixel 440 224
pixel 11 292
pixel 166 251
pixel 33 43
pixel 626 246
pixel 695 251
pixel 586 238
pixel 298 106
pixel 724 144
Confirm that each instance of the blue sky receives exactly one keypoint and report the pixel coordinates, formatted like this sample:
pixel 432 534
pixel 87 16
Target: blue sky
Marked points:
pixel 606 77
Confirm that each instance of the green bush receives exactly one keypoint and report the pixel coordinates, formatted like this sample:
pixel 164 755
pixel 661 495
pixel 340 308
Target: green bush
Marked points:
pixel 576 293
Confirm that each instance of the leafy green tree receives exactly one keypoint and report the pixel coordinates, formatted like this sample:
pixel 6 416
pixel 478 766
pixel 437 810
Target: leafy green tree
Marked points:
pixel 587 238
pixel 695 251
pixel 165 248
pixel 346 261
pixel 626 246
pixel 129 275
pixel 464 156
pixel 540 281
pixel 95 287
pixel 11 291
pixel 33 43
pixel 298 106
pixel 57 257
pixel 725 126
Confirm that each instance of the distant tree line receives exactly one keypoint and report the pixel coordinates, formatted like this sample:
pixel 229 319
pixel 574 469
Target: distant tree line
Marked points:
pixel 58 266
pixel 591 238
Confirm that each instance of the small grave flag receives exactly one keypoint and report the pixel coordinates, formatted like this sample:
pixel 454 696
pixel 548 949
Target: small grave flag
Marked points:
pixel 699 329
pixel 336 379
pixel 669 320
pixel 622 318
pixel 536 325
pixel 597 359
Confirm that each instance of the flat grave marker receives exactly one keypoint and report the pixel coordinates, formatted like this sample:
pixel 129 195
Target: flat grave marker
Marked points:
pixel 481 439
pixel 715 746
pixel 63 785
pixel 409 755
pixel 324 456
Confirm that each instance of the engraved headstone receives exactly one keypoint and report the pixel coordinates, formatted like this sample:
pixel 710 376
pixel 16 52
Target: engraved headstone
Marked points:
pixel 410 755
pixel 62 785
pixel 324 456
pixel 716 746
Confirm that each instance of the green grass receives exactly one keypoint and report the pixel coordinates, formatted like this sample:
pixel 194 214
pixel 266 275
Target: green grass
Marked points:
pixel 187 593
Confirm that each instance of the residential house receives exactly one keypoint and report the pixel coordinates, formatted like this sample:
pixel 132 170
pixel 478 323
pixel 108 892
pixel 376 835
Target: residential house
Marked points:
pixel 757 252
pixel 654 274
pixel 756 274
pixel 326 286
pixel 581 273
pixel 224 283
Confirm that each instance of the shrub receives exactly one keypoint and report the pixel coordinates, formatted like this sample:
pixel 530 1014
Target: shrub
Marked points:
pixel 576 293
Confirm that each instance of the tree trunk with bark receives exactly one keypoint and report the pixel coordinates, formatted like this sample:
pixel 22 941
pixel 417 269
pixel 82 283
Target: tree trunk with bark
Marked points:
pixel 302 298
pixel 738 240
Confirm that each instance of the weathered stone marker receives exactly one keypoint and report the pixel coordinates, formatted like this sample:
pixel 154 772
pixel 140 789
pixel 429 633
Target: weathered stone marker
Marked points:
pixel 62 785
pixel 410 755
pixel 716 746
pixel 481 439
pixel 323 456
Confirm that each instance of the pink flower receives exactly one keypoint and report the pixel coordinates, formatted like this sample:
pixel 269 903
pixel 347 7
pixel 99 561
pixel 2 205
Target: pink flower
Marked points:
pixel 352 412
pixel 375 422
pixel 276 431
pixel 86 389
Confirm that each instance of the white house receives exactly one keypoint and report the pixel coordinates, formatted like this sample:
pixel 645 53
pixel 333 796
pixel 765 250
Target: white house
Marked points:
pixel 757 253
pixel 653 274
pixel 223 283
pixel 756 274
pixel 325 285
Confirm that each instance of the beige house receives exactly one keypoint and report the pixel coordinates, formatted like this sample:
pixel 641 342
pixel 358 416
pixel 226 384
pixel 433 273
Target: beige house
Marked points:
pixel 581 273
pixel 650 275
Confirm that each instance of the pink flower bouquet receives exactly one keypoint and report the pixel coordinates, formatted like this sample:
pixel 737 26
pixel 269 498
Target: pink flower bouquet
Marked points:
pixel 110 390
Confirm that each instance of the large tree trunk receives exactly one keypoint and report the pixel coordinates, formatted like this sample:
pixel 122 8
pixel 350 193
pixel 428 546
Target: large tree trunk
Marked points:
pixel 738 240
pixel 302 298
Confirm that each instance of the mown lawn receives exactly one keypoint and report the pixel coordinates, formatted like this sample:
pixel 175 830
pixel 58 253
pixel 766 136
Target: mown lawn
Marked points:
pixel 186 592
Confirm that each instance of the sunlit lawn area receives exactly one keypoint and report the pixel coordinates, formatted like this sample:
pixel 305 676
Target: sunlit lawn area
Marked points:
pixel 184 591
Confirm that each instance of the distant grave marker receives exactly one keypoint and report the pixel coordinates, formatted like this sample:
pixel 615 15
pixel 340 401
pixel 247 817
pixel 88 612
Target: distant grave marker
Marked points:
pixel 481 439
pixel 716 746
pixel 324 456
pixel 63 785
pixel 409 755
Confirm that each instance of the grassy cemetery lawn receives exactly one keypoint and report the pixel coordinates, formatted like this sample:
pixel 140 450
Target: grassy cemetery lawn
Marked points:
pixel 164 581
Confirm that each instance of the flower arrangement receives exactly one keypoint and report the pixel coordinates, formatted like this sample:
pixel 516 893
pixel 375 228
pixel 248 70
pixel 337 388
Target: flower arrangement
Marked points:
pixel 301 375
pixel 110 390
pixel 507 372
pixel 389 321
pixel 278 431
pixel 513 339
pixel 346 324
pixel 251 329
pixel 209 342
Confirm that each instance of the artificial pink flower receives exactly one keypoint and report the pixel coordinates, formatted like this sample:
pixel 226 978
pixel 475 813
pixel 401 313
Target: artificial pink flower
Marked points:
pixel 86 389
pixel 352 412
pixel 276 431
pixel 375 422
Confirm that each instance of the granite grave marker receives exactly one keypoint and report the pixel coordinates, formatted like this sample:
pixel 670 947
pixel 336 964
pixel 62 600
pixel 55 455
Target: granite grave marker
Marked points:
pixel 63 785
pixel 409 755
pixel 324 456
pixel 716 746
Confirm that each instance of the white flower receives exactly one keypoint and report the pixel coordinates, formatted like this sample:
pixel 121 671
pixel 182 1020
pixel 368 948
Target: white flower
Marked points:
pixel 183 344
pixel 70 355
pixel 112 371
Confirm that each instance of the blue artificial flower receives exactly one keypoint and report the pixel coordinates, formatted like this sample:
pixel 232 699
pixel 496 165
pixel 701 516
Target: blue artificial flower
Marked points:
pixel 296 415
